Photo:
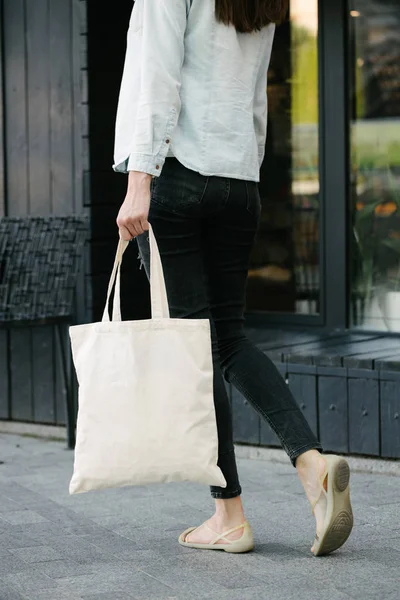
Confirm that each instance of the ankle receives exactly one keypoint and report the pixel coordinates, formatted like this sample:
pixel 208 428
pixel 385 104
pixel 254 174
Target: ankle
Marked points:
pixel 229 510
pixel 307 459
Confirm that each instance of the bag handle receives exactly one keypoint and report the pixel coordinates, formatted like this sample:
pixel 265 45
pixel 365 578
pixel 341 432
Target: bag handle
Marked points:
pixel 158 292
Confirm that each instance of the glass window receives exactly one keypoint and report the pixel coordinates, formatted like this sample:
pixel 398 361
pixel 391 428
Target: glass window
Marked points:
pixel 375 163
pixel 284 273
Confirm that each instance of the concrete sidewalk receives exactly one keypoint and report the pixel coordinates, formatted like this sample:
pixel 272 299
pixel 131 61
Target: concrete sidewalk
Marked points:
pixel 122 544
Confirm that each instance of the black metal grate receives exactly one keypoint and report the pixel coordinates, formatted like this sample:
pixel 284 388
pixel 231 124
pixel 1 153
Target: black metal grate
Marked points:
pixel 39 263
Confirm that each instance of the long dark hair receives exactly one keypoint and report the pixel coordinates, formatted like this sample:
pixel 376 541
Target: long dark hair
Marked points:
pixel 250 15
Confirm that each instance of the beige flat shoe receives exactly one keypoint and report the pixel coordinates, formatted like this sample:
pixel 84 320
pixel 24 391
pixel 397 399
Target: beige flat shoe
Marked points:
pixel 338 522
pixel 244 544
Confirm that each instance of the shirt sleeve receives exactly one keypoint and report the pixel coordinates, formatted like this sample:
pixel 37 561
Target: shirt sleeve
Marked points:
pixel 159 104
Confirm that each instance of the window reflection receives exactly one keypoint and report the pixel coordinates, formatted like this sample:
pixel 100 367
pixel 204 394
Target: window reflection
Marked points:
pixel 284 274
pixel 375 163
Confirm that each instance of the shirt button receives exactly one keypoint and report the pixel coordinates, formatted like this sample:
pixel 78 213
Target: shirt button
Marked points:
pixel 157 167
pixel 167 141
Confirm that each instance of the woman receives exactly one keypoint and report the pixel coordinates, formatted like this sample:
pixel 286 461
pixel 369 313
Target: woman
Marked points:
pixel 191 131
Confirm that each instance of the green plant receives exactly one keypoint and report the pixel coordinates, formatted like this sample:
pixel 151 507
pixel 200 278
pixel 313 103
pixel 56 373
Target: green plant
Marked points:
pixel 376 235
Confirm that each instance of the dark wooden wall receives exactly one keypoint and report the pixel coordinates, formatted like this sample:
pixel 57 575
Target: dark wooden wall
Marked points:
pixel 43 153
pixel 43 110
pixel 41 65
pixel 347 386
pixel 107 31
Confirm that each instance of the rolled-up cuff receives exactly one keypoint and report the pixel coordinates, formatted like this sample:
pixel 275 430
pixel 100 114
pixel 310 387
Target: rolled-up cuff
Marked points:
pixel 295 453
pixel 144 163
pixel 220 494
pixel 149 163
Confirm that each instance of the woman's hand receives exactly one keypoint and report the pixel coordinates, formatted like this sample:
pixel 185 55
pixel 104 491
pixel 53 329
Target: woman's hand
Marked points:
pixel 133 215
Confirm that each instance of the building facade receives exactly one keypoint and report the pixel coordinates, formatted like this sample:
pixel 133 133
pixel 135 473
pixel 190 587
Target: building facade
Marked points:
pixel 327 255
pixel 328 250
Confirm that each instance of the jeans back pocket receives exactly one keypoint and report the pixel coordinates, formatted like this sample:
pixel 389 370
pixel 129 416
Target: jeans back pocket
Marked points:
pixel 253 198
pixel 178 189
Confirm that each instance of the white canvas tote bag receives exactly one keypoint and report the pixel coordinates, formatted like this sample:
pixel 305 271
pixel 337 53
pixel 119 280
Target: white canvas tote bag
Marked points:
pixel 146 407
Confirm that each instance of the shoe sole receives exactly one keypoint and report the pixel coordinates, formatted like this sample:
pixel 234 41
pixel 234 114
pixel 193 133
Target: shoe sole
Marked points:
pixel 339 519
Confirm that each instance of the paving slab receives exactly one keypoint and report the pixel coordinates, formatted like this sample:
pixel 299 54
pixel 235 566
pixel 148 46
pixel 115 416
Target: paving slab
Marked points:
pixel 122 544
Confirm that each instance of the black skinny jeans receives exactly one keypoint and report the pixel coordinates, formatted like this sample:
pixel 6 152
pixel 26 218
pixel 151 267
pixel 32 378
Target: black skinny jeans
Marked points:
pixel 205 228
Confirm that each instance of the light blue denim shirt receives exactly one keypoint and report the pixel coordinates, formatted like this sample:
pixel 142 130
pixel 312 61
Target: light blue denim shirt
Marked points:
pixel 192 88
